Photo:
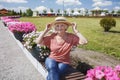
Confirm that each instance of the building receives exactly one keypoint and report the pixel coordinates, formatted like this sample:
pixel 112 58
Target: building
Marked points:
pixel 35 13
pixel 3 11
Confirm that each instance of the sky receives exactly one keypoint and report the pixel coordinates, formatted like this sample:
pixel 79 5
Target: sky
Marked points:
pixel 40 5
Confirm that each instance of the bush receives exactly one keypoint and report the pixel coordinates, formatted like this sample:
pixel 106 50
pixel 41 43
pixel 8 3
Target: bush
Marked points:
pixel 107 23
pixel 29 39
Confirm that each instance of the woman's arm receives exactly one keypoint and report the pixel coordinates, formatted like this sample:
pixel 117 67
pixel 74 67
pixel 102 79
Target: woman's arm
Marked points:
pixel 82 39
pixel 40 38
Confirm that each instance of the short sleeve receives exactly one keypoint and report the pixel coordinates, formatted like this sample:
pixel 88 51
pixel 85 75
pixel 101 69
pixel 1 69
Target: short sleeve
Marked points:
pixel 46 41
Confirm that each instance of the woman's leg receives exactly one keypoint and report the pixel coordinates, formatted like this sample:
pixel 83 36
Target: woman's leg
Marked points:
pixel 52 67
pixel 62 68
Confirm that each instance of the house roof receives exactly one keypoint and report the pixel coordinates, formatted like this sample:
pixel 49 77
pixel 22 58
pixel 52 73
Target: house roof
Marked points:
pixel 3 9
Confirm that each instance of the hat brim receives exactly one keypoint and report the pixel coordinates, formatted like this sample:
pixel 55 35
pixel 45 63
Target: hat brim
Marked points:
pixel 64 22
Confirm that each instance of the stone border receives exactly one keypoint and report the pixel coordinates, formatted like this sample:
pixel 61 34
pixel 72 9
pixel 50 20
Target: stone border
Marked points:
pixel 34 61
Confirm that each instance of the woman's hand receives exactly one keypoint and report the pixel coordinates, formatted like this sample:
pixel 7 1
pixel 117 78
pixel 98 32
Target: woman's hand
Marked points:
pixel 39 40
pixel 82 39
pixel 48 27
pixel 74 27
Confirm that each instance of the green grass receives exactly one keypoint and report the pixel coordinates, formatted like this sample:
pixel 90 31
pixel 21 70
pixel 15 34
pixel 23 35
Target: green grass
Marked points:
pixel 98 40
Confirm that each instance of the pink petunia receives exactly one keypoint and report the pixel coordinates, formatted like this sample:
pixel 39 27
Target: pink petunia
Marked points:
pixel 99 74
pixel 22 27
pixel 88 78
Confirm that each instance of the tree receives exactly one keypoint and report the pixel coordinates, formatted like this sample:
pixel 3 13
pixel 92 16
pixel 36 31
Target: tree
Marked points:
pixel 79 11
pixel 72 11
pixel 118 11
pixel 20 12
pixel 106 11
pixel 51 10
pixel 9 12
pixel 58 11
pixel 96 12
pixel 13 12
pixel 107 23
pixel 29 12
pixel 44 11
pixel 86 11
pixel 65 12
pixel 23 14
pixel 113 12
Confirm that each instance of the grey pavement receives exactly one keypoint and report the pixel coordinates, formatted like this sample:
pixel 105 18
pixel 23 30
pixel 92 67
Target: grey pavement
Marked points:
pixel 14 65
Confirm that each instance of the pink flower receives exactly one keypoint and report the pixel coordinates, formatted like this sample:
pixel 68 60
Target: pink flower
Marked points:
pixel 25 27
pixel 117 70
pixel 91 73
pixel 103 73
pixel 99 74
pixel 88 78
pixel 10 20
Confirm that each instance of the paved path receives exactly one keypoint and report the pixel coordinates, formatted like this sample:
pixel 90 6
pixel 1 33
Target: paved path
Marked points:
pixel 14 65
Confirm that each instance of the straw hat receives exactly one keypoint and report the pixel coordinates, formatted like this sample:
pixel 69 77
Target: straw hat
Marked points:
pixel 60 20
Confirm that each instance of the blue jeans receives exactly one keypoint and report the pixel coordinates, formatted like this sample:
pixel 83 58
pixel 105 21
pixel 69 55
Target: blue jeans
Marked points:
pixel 55 69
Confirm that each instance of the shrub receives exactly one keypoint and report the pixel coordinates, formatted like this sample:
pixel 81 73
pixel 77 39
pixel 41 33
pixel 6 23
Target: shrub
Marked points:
pixel 29 39
pixel 107 23
pixel 40 52
pixel 44 52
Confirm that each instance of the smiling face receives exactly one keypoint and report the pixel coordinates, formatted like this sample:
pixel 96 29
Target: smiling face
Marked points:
pixel 60 27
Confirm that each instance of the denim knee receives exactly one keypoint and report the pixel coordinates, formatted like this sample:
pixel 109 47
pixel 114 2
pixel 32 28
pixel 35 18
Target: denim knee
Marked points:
pixel 51 64
pixel 63 68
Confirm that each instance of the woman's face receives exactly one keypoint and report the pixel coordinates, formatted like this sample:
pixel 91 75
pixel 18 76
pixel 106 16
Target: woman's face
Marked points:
pixel 61 27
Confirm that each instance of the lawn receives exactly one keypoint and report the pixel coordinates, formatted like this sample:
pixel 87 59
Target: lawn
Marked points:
pixel 98 40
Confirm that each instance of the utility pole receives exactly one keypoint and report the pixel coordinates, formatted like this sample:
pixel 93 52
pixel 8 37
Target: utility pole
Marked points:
pixel 63 9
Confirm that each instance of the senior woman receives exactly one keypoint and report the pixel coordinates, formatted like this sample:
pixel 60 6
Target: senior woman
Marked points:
pixel 60 43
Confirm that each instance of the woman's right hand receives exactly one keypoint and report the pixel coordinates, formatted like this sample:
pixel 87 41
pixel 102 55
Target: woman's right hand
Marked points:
pixel 74 27
pixel 39 40
pixel 48 27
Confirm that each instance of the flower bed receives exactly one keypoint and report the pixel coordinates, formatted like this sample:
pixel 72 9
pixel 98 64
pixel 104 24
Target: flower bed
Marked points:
pixel 29 39
pixel 3 18
pixel 10 20
pixel 21 28
pixel 104 73
pixel 25 27
pixel 18 28
pixel 38 51
pixel 9 17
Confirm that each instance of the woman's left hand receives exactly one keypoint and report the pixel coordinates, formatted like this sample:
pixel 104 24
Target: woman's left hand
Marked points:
pixel 74 27
pixel 82 39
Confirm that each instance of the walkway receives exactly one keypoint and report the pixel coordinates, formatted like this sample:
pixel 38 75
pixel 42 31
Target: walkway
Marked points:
pixel 14 65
